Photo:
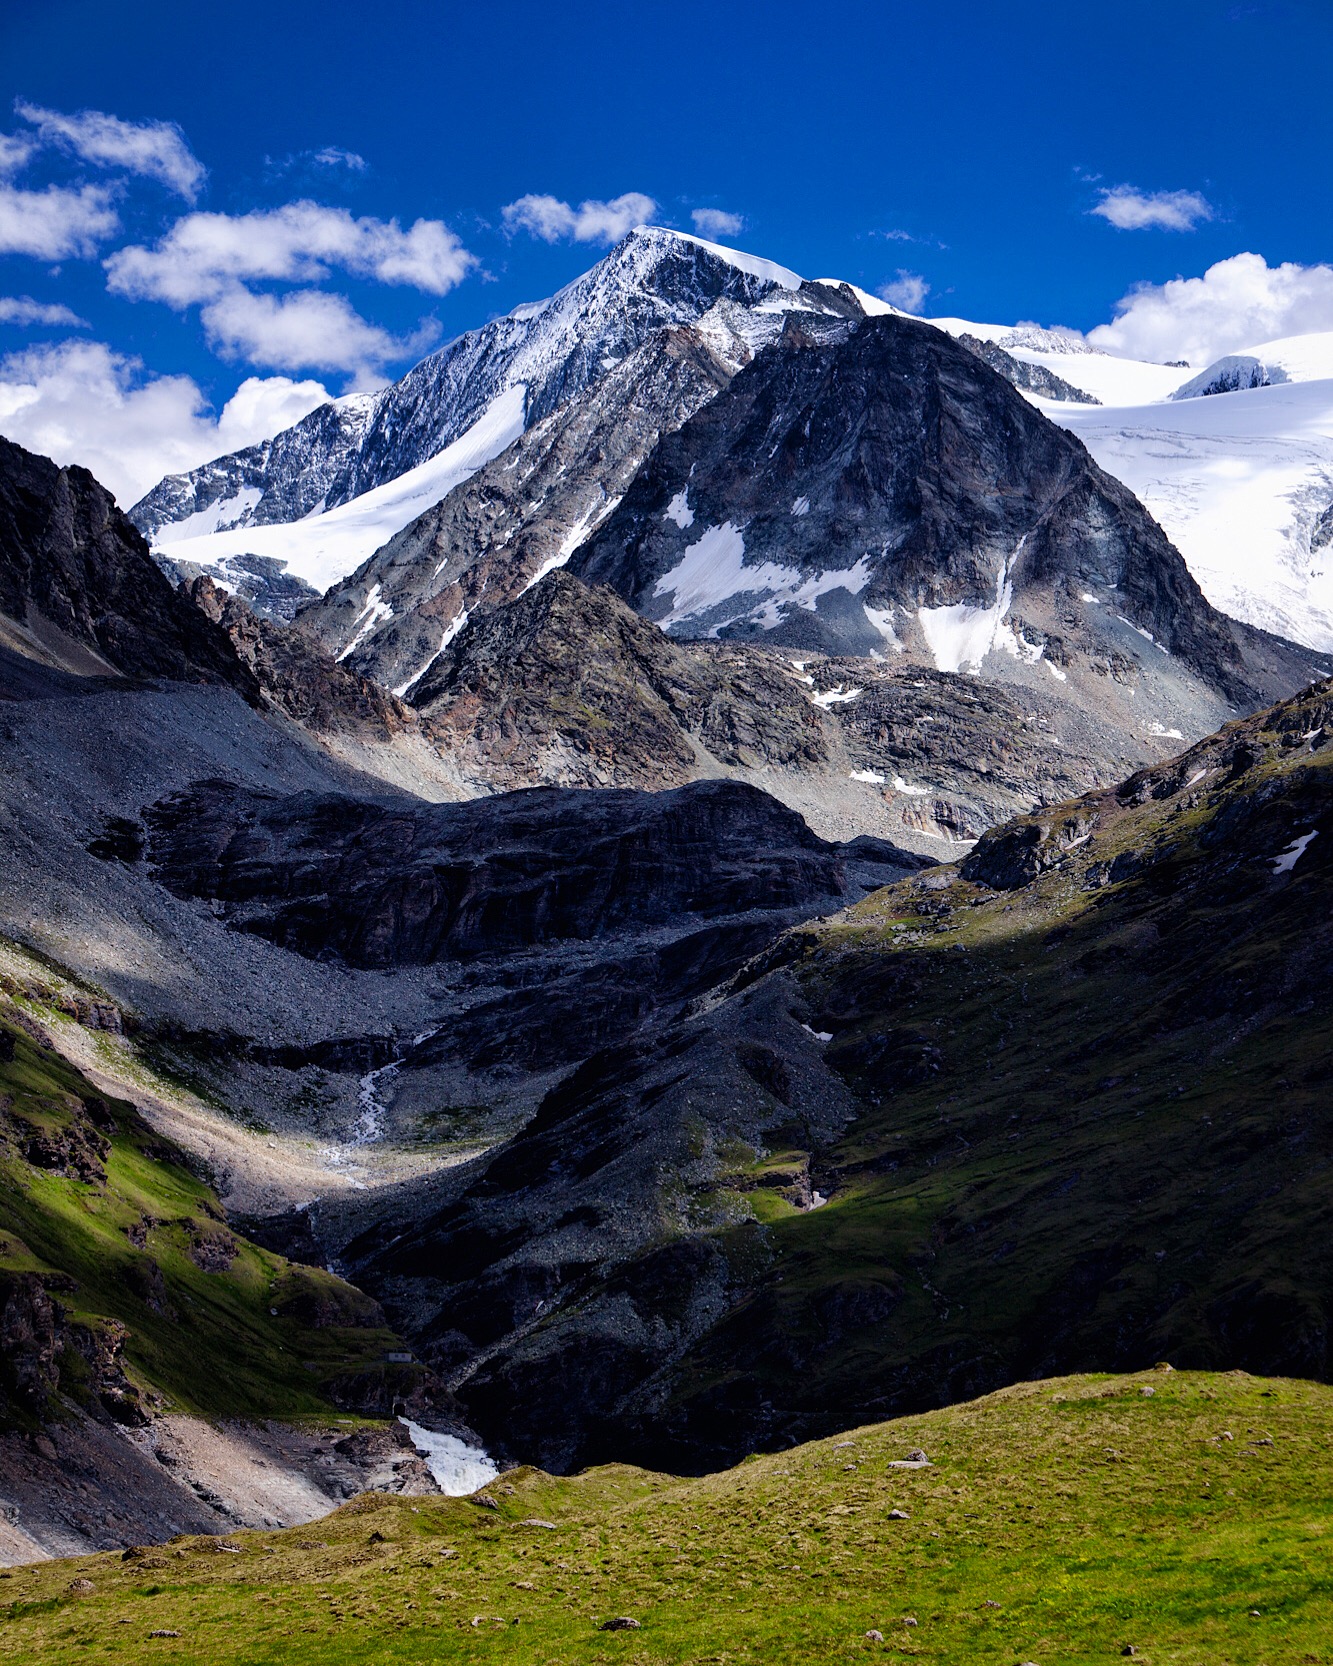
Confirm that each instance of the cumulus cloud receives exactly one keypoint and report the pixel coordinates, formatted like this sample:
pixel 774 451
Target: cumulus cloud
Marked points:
pixel 716 222
pixel 82 402
pixel 55 223
pixel 1131 210
pixel 153 149
pixel 907 291
pixel 205 255
pixel 591 222
pixel 22 309
pixel 307 330
pixel 1237 303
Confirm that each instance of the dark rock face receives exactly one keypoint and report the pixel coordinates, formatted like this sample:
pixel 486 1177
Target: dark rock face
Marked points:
pixel 896 461
pixel 1031 378
pixel 379 884
pixel 78 577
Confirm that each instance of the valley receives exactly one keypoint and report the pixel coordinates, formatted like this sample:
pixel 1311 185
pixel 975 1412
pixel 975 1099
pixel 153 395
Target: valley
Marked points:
pixel 685 902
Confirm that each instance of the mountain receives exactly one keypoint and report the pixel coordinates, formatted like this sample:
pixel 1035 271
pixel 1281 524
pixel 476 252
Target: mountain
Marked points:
pixel 471 398
pixel 520 515
pixel 880 488
pixel 1060 1105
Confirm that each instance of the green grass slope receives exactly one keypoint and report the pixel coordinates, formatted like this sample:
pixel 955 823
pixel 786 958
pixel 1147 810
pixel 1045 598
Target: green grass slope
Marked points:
pixel 1181 1517
pixel 1095 1129
pixel 121 1285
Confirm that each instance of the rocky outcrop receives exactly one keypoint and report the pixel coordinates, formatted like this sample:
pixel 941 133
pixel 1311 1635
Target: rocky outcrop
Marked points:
pixel 569 685
pixel 380 885
pixel 1028 378
pixel 297 677
pixel 77 579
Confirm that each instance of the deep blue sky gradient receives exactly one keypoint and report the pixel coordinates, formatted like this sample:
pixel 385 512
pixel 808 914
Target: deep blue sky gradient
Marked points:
pixel 979 129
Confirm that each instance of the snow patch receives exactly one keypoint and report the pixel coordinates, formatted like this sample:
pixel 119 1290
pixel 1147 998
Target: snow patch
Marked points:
pixel 712 571
pixel 1163 732
pixel 871 776
pixel 835 696
pixel 222 516
pixel 801 507
pixel 370 615
pixel 881 618
pixel 679 510
pixel 1293 853
pixel 961 636
pixel 1059 675
pixel 906 787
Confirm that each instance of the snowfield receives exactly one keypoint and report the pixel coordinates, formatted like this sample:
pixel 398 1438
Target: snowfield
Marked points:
pixel 325 547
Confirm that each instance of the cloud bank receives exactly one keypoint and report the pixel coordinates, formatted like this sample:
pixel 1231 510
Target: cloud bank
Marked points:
pixel 82 402
pixel 1237 303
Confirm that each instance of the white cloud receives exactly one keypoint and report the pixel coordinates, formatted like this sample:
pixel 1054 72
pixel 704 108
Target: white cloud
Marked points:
pixel 907 291
pixel 205 255
pixel 591 222
pixel 55 223
pixel 154 149
pixel 82 402
pixel 1237 303
pixel 1132 210
pixel 15 150
pixel 716 222
pixel 309 329
pixel 22 309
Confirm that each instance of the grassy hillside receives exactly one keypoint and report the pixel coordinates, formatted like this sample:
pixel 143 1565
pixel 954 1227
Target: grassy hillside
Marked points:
pixel 121 1285
pixel 1182 1517
pixel 1095 1128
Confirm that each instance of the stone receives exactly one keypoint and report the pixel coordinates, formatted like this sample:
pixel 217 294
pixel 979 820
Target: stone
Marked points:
pixel 484 1501
pixel 899 1515
pixel 624 1623
pixel 81 1587
pixel 874 1637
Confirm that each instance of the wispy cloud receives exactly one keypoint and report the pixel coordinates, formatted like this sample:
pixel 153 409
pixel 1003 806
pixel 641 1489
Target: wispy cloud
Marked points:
pixel 204 255
pixel 1129 209
pixel 22 309
pixel 907 291
pixel 717 222
pixel 56 223
pixel 1239 302
pixel 16 150
pixel 334 156
pixel 152 149
pixel 591 222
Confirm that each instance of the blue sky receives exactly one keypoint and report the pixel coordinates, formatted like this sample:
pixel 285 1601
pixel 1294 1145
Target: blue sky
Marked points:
pixel 956 153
